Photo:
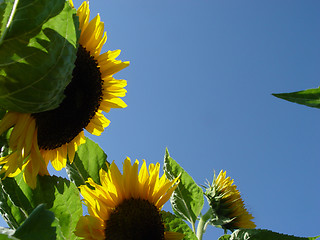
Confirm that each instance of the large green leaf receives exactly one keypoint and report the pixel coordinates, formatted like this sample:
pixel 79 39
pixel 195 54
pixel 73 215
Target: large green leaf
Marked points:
pixel 37 226
pixel 187 200
pixel 262 234
pixel 88 161
pixel 37 53
pixel 60 196
pixel 20 17
pixel 309 97
pixel 174 224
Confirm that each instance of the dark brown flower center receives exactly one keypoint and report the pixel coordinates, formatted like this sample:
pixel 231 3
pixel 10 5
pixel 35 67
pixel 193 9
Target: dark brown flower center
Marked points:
pixel 82 100
pixel 135 219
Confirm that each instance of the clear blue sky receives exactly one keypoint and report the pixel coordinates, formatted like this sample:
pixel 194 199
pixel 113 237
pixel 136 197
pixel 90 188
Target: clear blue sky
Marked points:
pixel 200 83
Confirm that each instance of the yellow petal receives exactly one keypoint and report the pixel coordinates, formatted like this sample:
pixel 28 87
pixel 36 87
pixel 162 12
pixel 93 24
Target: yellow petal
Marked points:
pixel 83 13
pixel 115 103
pixel 8 121
pixel 90 228
pixel 57 161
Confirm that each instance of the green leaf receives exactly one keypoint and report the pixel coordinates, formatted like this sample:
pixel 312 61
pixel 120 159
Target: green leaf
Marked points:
pixel 6 8
pixel 37 54
pixel 37 226
pixel 6 237
pixel 6 234
pixel 309 97
pixel 262 234
pixel 225 237
pixel 60 196
pixel 12 214
pixel 88 161
pixel 7 231
pixel 174 224
pixel 187 200
pixel 21 17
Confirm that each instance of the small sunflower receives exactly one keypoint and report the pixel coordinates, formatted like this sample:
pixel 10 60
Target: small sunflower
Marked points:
pixel 54 135
pixel 127 206
pixel 227 205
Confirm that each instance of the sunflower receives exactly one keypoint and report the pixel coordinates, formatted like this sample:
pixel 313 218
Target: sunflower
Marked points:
pixel 55 135
pixel 228 207
pixel 126 206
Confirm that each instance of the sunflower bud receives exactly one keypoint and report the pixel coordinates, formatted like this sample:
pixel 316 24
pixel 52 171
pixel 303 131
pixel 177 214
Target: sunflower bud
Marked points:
pixel 226 204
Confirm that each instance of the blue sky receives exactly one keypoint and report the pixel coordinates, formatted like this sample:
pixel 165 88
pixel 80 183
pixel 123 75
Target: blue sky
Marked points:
pixel 200 83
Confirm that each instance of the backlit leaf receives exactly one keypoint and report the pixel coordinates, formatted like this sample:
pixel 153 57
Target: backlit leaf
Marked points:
pixel 174 224
pixel 88 161
pixel 309 97
pixel 187 200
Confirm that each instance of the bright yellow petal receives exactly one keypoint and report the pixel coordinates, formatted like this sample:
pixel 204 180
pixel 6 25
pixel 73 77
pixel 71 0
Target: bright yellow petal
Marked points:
pixel 57 161
pixel 83 13
pixel 115 103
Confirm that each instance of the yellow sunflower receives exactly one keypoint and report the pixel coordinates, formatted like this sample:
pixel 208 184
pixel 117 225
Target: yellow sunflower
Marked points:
pixel 227 205
pixel 126 206
pixel 54 135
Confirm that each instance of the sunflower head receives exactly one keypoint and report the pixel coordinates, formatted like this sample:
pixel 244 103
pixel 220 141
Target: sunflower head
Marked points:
pixel 54 135
pixel 126 206
pixel 226 203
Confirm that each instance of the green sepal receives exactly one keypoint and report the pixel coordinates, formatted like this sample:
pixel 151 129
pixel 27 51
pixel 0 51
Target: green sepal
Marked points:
pixel 219 221
pixel 309 97
pixel 36 62
pixel 218 210
pixel 263 234
pixel 37 226
pixel 174 224
pixel 187 199
pixel 59 195
pixel 88 161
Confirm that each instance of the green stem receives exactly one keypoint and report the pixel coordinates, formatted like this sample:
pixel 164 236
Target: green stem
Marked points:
pixel 193 227
pixel 203 224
